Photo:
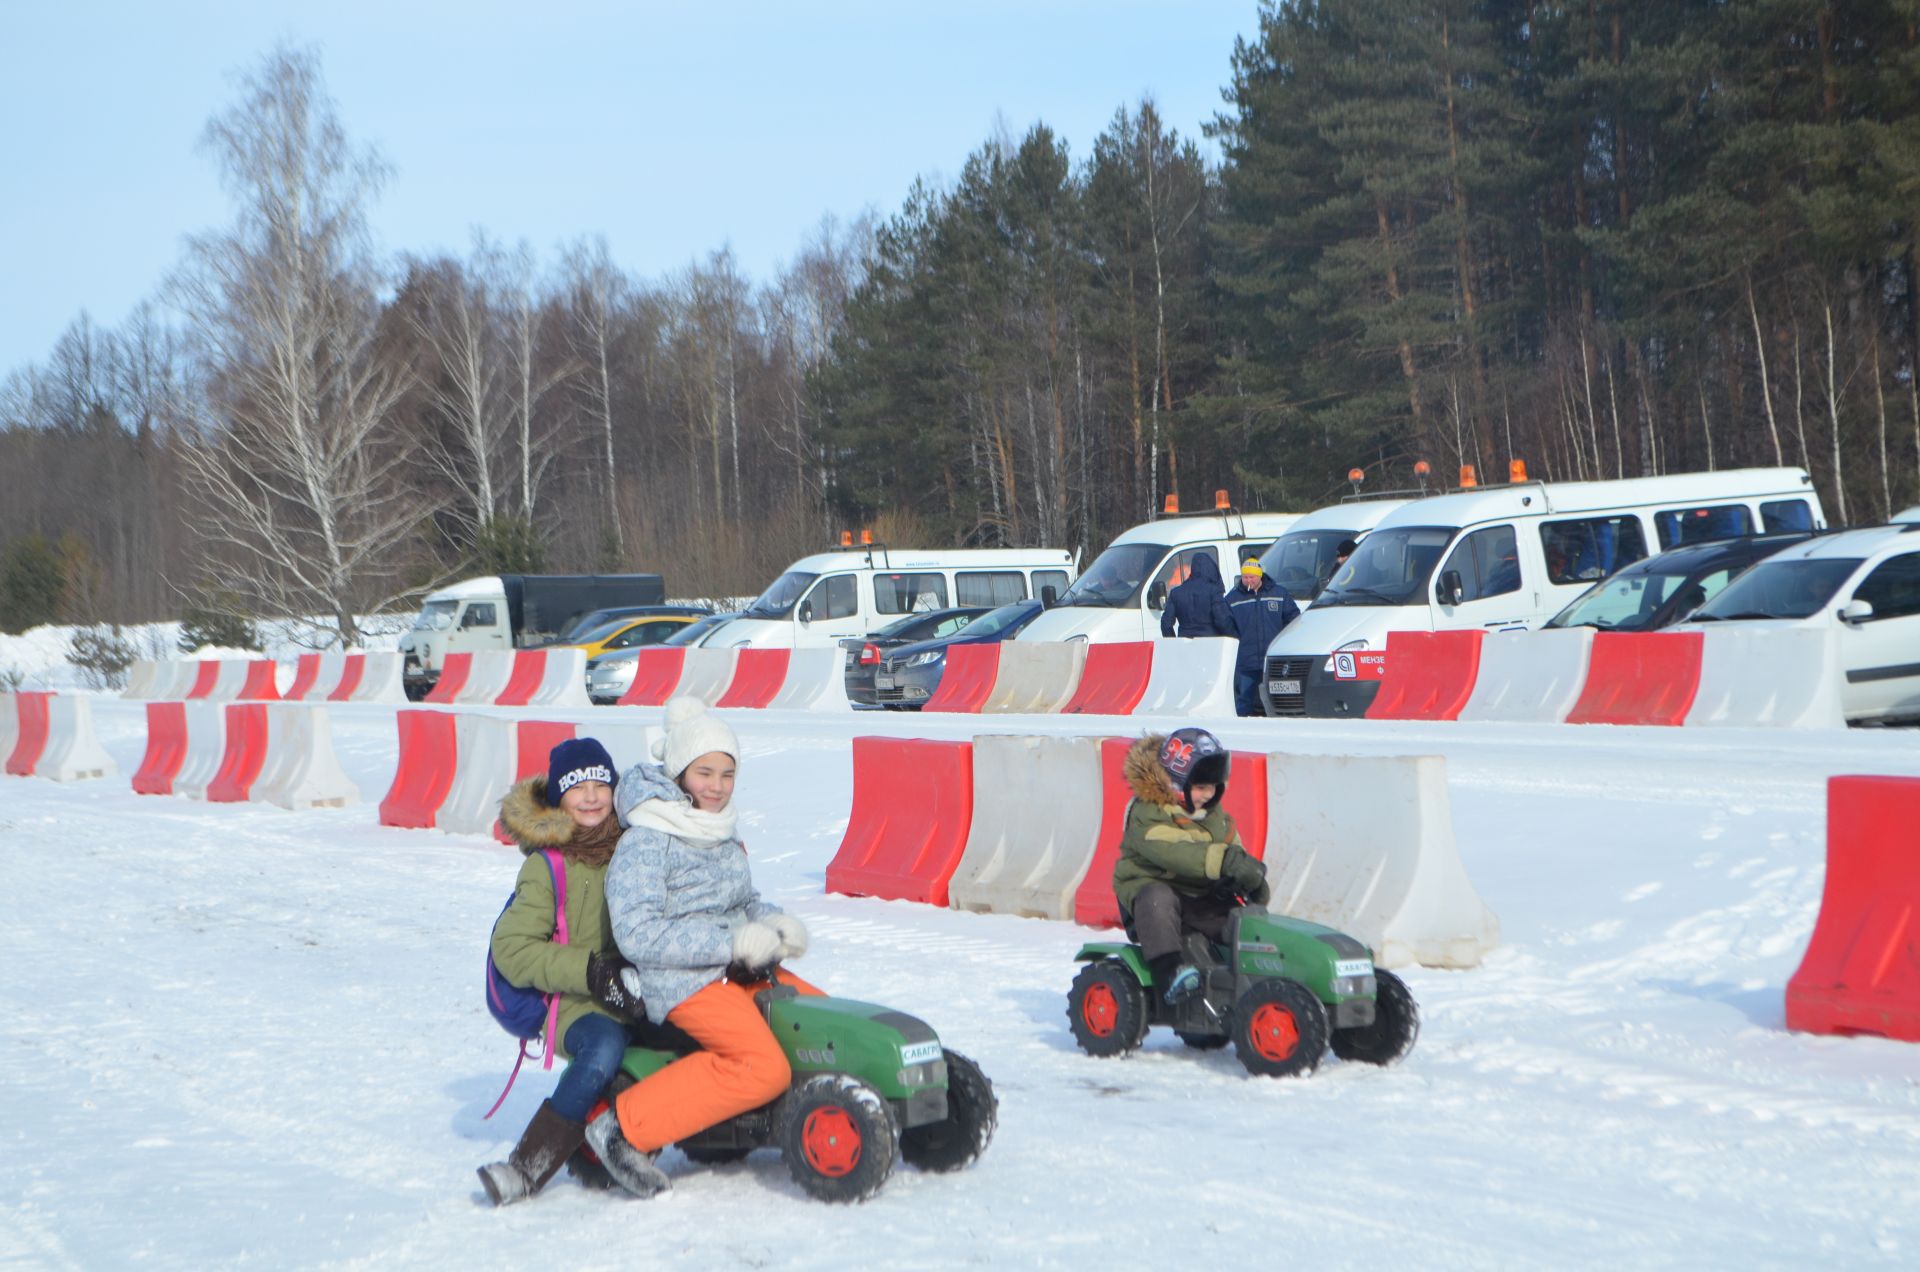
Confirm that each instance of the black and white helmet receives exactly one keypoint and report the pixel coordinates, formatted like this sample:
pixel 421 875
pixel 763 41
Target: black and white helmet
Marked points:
pixel 1194 755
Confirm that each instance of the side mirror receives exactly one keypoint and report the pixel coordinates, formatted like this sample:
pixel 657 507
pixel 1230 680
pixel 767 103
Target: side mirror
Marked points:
pixel 806 611
pixel 1453 589
pixel 1157 596
pixel 1048 595
pixel 1856 612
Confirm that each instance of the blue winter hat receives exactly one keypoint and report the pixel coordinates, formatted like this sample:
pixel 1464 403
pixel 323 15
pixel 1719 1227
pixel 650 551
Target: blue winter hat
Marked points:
pixel 575 761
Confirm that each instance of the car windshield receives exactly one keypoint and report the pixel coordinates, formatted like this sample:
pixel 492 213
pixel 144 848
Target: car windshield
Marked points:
pixel 1006 618
pixel 921 626
pixel 1390 567
pixel 1116 576
pixel 778 600
pixel 600 631
pixel 435 616
pixel 693 632
pixel 1302 560
pixel 1780 589
pixel 1628 601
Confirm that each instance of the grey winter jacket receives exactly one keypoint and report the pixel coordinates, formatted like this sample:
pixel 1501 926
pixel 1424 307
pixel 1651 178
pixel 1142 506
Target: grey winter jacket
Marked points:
pixel 674 905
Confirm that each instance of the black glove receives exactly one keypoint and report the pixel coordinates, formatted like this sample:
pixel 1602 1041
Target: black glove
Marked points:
pixel 1243 871
pixel 603 982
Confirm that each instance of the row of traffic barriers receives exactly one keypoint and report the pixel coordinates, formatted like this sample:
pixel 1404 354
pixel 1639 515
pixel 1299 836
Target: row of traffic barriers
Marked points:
pixel 51 735
pixel 225 753
pixel 513 678
pixel 780 679
pixel 1719 676
pixel 1364 844
pixel 346 678
pixel 212 679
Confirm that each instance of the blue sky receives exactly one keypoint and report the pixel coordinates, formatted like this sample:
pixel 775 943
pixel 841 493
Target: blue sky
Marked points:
pixel 672 129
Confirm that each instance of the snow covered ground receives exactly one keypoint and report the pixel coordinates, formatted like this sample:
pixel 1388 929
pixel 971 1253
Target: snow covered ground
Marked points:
pixel 39 655
pixel 237 1035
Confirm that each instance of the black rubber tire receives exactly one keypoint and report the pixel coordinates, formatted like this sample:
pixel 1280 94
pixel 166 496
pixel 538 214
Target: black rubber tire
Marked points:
pixel 1205 1042
pixel 821 1114
pixel 715 1156
pixel 1125 1021
pixel 957 1140
pixel 1279 1029
pixel 1395 1027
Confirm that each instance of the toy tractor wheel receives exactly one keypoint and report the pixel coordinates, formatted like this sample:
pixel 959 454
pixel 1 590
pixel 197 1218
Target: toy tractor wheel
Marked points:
pixel 958 1139
pixel 1107 1008
pixel 838 1138
pixel 1396 1023
pixel 714 1156
pixel 1279 1029
pixel 1203 1041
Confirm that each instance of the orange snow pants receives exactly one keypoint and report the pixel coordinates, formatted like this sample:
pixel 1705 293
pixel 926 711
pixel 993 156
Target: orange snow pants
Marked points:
pixel 738 1067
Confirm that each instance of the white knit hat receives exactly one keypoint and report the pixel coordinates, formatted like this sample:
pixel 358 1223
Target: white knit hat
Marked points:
pixel 691 733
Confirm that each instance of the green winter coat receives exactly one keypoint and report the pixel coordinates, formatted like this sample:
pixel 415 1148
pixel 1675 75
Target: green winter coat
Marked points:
pixel 1164 843
pixel 523 946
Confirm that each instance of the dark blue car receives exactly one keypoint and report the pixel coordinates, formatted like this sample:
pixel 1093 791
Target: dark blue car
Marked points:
pixel 909 675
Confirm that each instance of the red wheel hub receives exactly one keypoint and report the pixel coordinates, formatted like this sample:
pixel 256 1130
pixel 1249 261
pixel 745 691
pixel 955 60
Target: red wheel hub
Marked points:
pixel 1100 1010
pixel 831 1142
pixel 1274 1032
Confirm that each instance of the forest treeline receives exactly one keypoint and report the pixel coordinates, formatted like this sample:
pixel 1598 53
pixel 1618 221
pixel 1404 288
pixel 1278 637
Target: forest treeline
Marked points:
pixel 1606 238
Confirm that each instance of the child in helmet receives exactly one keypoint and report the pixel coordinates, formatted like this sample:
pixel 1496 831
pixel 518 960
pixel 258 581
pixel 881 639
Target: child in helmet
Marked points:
pixel 1182 867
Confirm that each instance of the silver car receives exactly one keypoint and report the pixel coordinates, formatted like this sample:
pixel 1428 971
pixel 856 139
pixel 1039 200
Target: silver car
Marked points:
pixel 610 675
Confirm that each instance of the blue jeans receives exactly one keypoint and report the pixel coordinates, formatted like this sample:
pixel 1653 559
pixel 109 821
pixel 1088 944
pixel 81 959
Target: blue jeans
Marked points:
pixel 1246 692
pixel 596 1044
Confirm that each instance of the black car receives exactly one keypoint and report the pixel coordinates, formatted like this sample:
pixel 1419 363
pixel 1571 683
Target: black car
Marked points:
pixel 865 652
pixel 577 629
pixel 908 675
pixel 1661 590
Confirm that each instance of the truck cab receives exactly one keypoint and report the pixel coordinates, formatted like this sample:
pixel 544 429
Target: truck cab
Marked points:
pixel 509 611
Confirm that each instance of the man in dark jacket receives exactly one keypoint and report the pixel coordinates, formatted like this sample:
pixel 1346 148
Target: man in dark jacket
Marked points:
pixel 1198 607
pixel 1260 608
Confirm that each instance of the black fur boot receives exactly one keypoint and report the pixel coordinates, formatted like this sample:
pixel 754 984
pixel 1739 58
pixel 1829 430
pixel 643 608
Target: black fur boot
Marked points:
pixel 549 1140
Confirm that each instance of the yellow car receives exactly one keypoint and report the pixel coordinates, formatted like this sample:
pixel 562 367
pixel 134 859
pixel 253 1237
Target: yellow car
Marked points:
pixel 632 632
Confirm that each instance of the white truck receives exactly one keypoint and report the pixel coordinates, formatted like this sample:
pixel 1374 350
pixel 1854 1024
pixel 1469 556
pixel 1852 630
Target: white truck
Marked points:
pixel 509 611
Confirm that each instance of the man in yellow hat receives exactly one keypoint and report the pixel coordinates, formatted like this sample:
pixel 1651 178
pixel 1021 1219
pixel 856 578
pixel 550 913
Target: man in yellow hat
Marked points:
pixel 1260 608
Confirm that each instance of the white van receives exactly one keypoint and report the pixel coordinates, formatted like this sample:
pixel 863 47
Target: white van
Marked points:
pixel 1301 560
pixel 1122 593
pixel 831 595
pixel 1506 557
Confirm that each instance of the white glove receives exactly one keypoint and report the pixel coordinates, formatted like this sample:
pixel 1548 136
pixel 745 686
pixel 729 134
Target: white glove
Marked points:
pixel 630 981
pixel 792 933
pixel 755 946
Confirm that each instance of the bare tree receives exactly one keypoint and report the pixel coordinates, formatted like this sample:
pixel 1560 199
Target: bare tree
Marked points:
pixel 305 502
pixel 460 335
pixel 599 290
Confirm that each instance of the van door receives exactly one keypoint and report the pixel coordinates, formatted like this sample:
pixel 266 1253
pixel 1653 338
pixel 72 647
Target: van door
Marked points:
pixel 1173 571
pixel 1882 654
pixel 829 611
pixel 1480 584
pixel 482 625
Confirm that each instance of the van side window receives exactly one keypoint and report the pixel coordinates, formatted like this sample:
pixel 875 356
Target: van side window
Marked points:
pixel 1676 526
pixel 479 614
pixel 836 596
pixel 1893 587
pixel 1488 561
pixel 1786 514
pixel 910 593
pixel 1581 551
pixel 1055 579
pixel 991 588
pixel 1179 567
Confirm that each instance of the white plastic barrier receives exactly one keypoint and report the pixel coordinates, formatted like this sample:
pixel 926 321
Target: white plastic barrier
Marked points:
pixel 706 673
pixel 486 749
pixel 172 678
pixel 301 769
pixel 816 681
pixel 73 753
pixel 231 680
pixel 1036 677
pixel 380 680
pixel 1033 836
pixel 1784 678
pixel 1191 677
pixel 206 746
pixel 1365 844
pixel 564 681
pixel 9 727
pixel 488 675
pixel 332 668
pixel 1530 677
pixel 141 678
pixel 628 744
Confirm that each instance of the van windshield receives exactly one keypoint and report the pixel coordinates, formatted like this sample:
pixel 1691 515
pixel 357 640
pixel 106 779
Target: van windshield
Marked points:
pixel 1390 567
pixel 1302 560
pixel 777 601
pixel 435 616
pixel 1116 576
pixel 1780 589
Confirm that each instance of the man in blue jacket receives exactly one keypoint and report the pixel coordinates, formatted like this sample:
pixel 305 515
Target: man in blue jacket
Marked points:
pixel 1198 606
pixel 1260 608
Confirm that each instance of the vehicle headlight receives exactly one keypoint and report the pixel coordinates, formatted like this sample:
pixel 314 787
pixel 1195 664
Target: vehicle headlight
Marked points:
pixel 1354 986
pixel 926 1073
pixel 926 659
pixel 1081 639
pixel 1350 646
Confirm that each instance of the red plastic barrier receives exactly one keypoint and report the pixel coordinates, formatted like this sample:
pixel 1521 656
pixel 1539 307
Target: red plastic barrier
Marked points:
pixel 305 673
pixel 1115 679
pixel 32 742
pixel 1640 678
pixel 1861 973
pixel 533 739
pixel 1246 801
pixel 912 809
pixel 204 678
pixel 246 752
pixel 656 672
pixel 351 670
pixel 1430 675
pixel 166 747
pixel 454 671
pixel 424 772
pixel 260 684
pixel 967 682
pixel 529 665
pixel 758 675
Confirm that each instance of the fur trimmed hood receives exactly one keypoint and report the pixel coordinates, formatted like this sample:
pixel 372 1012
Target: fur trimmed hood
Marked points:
pixel 536 825
pixel 1145 778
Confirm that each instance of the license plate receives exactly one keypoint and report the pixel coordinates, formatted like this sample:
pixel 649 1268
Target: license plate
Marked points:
pixel 883 682
pixel 1283 686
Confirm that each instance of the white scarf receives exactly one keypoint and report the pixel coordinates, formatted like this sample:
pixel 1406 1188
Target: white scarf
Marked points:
pixel 684 821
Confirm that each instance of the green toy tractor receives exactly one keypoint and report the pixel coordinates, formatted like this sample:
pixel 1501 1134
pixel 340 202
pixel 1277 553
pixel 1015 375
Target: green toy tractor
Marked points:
pixel 868 1083
pixel 1282 990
